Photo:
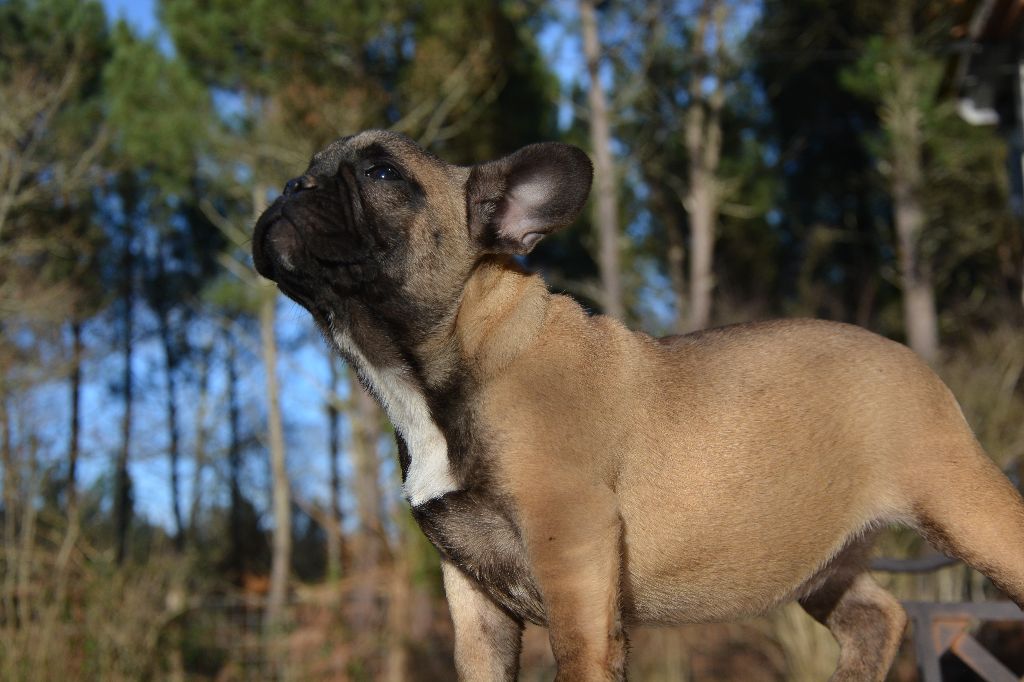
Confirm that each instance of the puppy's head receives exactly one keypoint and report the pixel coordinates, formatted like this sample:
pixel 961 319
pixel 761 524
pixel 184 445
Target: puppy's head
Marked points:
pixel 378 228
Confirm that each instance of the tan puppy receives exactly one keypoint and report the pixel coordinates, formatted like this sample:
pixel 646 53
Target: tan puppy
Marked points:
pixel 579 475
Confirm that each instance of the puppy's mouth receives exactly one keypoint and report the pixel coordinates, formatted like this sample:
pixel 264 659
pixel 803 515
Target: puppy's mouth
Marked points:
pixel 271 229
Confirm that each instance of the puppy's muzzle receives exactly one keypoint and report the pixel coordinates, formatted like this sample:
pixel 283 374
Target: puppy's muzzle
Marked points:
pixel 316 226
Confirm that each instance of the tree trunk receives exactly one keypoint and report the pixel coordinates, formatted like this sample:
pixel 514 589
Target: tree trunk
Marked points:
pixel 335 550
pixel 281 545
pixel 71 533
pixel 606 211
pixel 396 662
pixel 201 455
pixel 7 459
pixel 704 145
pixel 235 561
pixel 281 492
pixel 10 496
pixel 75 425
pixel 62 561
pixel 903 119
pixel 702 239
pixel 919 313
pixel 122 480
pixel 366 434
pixel 364 613
pixel 29 512
pixel 676 259
pixel 171 405
pixel 402 610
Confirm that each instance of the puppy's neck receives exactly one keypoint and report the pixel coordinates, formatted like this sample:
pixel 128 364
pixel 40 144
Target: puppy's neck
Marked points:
pixel 498 316
pixel 501 314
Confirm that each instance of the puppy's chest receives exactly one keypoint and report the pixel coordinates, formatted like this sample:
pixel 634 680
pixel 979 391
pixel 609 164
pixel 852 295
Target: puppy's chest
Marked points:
pixel 426 461
pixel 477 533
pixel 459 514
pixel 440 453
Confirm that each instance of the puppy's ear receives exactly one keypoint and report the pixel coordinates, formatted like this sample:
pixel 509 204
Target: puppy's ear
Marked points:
pixel 514 201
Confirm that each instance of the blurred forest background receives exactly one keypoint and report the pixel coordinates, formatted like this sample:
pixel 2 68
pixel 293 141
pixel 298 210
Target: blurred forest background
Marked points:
pixel 193 488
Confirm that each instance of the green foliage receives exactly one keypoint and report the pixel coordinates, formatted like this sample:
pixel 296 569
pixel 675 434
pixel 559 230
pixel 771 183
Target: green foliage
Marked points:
pixel 56 46
pixel 874 75
pixel 48 33
pixel 51 55
pixel 159 112
pixel 900 72
pixel 829 215
pixel 236 44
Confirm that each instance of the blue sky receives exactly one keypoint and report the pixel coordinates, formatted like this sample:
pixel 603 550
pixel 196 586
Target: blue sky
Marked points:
pixel 139 13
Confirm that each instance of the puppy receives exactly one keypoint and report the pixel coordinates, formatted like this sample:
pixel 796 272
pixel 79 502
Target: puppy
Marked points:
pixel 579 475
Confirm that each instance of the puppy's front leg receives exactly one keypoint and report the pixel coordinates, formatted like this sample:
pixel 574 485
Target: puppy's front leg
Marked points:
pixel 487 639
pixel 574 546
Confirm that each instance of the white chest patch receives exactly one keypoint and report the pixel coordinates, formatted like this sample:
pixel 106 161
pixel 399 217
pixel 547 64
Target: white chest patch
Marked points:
pixel 429 475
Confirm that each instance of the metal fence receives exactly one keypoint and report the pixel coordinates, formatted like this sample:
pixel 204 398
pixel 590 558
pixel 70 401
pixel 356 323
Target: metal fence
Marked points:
pixel 942 628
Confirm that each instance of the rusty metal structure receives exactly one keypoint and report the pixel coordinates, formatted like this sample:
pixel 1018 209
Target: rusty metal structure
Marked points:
pixel 941 628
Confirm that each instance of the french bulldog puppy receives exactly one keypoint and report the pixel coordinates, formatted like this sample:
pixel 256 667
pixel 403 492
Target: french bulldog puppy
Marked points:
pixel 579 475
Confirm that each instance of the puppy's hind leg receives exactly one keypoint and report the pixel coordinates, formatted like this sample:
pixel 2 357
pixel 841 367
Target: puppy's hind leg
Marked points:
pixel 970 510
pixel 866 620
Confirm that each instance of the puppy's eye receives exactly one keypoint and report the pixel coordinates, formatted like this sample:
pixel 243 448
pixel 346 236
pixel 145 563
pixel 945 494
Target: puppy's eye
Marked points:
pixel 382 171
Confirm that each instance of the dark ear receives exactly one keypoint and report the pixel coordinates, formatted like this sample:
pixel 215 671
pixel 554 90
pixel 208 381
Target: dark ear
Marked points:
pixel 514 201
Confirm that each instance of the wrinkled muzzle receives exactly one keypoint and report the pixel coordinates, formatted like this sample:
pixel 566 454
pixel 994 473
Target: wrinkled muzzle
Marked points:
pixel 316 234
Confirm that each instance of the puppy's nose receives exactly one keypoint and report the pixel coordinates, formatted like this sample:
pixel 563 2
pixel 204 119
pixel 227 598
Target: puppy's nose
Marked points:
pixel 299 184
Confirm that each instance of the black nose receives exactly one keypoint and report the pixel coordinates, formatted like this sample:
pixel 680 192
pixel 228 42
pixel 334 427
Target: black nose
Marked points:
pixel 303 182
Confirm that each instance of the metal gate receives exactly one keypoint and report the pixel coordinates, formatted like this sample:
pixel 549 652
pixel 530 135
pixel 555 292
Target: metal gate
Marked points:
pixel 939 628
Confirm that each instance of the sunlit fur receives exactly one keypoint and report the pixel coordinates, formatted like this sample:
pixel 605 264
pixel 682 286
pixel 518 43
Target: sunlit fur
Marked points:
pixel 578 474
